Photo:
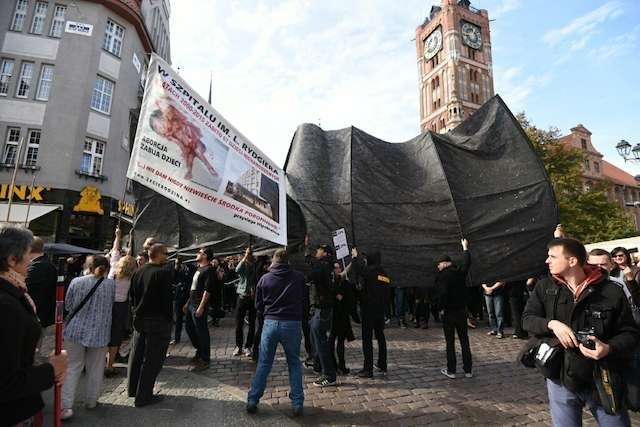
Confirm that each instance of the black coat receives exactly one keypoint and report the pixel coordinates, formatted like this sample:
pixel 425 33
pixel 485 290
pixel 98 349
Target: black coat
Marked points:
pixel 41 283
pixel 451 285
pixel 341 325
pixel 601 305
pixel 20 381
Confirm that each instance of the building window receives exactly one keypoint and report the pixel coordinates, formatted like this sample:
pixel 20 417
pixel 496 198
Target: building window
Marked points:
pixel 44 86
pixel 33 145
pixel 19 15
pixel 11 146
pixel 24 81
pixel 587 165
pixel 6 71
pixel 102 94
pixel 57 24
pixel 92 157
pixel 596 167
pixel 39 15
pixel 113 36
pixel 583 143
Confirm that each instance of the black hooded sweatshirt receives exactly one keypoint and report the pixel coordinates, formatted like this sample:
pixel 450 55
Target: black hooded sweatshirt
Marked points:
pixel 451 285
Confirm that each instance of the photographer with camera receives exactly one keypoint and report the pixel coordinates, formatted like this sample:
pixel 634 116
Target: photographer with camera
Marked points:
pixel 589 318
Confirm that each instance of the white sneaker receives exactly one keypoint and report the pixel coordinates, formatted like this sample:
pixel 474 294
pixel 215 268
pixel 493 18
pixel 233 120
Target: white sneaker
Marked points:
pixel 448 374
pixel 66 414
pixel 237 352
pixel 468 374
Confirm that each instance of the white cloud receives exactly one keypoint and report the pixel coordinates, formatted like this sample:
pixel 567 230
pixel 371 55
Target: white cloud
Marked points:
pixel 617 46
pixel 515 87
pixel 504 7
pixel 582 26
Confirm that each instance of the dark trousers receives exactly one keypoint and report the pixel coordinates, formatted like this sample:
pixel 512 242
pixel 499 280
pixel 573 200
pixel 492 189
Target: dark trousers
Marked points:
pixel 308 342
pixel 198 332
pixel 320 325
pixel 244 306
pixel 373 323
pixel 148 351
pixel 255 352
pixel 337 347
pixel 455 321
pixel 517 303
pixel 177 310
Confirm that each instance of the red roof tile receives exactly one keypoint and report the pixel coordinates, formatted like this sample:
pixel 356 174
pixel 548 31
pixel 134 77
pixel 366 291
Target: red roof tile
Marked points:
pixel 617 175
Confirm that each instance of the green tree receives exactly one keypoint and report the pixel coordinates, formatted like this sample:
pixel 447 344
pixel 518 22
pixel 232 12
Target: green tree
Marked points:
pixel 585 213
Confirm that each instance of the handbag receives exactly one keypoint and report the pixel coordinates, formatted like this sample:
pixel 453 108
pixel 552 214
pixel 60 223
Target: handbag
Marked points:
pixel 83 302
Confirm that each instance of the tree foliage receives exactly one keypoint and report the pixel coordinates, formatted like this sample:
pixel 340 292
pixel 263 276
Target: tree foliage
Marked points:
pixel 585 213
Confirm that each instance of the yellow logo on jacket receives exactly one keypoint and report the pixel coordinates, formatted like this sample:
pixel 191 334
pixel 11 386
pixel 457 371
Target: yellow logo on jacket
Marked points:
pixel 384 279
pixel 89 201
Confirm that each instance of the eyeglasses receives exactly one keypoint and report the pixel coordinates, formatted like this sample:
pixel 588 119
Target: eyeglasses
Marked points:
pixel 618 256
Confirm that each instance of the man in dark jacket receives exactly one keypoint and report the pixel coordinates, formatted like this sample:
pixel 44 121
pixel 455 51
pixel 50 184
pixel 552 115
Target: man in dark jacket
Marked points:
pixel 451 287
pixel 374 298
pixel 41 283
pixel 322 297
pixel 279 300
pixel 575 298
pixel 151 300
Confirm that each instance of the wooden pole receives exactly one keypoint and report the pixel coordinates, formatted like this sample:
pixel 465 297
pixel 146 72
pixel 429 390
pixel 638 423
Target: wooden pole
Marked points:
pixel 26 218
pixel 122 200
pixel 13 178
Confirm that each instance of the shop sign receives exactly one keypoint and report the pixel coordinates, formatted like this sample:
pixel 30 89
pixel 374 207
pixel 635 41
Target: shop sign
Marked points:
pixel 23 192
pixel 89 201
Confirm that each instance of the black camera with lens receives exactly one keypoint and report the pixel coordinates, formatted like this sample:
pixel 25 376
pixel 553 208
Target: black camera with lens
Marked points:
pixel 583 338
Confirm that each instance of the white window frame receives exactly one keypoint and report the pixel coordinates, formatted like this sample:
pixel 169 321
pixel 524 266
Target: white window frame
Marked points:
pixel 96 156
pixel 57 23
pixel 39 16
pixel 33 146
pixel 11 143
pixel 101 93
pixel 6 72
pixel 19 15
pixel 23 78
pixel 113 38
pixel 45 82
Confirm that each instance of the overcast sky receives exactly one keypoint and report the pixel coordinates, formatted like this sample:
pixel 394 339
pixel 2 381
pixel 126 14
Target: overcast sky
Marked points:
pixel 280 63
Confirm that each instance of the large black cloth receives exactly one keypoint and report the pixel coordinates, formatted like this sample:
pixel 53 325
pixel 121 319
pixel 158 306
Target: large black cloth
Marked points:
pixel 41 280
pixel 414 200
pixel 20 381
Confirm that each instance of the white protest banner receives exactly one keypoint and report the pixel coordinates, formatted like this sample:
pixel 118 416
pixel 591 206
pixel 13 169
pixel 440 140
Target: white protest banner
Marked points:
pixel 186 151
pixel 340 243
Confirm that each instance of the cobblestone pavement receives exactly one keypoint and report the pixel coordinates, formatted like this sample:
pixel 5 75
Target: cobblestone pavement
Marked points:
pixel 413 393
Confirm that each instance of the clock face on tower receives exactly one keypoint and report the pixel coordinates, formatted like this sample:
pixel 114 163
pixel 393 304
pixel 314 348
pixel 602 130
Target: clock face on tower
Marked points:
pixel 433 43
pixel 471 35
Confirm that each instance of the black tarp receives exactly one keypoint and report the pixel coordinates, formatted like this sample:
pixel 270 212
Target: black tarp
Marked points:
pixel 169 222
pixel 413 201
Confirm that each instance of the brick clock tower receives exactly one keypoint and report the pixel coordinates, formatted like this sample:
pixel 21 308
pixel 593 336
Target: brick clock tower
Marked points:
pixel 454 64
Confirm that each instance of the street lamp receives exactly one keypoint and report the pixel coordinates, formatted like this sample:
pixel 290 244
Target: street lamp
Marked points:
pixel 625 150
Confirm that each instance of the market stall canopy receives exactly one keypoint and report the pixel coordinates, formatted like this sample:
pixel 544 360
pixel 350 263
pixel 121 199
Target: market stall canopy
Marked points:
pixel 18 212
pixel 66 249
pixel 413 201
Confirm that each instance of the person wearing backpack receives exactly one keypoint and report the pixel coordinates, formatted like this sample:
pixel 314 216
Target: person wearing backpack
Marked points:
pixel 89 302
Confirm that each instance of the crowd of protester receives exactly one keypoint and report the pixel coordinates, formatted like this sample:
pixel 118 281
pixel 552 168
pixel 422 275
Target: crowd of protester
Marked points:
pixel 150 301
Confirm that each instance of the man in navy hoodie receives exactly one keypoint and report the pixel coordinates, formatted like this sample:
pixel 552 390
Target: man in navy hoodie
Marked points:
pixel 280 300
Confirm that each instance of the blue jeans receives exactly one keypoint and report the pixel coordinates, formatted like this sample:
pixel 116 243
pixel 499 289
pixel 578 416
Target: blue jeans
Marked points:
pixel 198 332
pixel 495 309
pixel 566 408
pixel 400 304
pixel 320 326
pixel 289 334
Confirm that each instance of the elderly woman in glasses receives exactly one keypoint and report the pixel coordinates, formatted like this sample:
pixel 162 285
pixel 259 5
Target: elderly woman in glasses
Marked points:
pixel 21 382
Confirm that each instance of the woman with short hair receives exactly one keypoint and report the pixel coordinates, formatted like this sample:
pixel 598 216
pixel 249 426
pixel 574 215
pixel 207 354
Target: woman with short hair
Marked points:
pixel 87 334
pixel 21 382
